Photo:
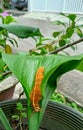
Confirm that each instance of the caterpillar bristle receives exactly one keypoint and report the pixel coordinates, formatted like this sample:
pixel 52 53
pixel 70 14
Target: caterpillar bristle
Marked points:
pixel 36 95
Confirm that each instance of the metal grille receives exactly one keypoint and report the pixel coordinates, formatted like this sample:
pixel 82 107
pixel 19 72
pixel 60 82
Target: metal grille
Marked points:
pixel 73 6
pixel 66 6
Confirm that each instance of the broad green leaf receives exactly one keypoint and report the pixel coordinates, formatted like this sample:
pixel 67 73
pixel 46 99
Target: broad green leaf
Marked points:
pixel 21 31
pixel 4 120
pixel 80 67
pixel 25 68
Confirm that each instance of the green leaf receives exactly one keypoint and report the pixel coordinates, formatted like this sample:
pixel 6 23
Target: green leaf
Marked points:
pixel 80 67
pixel 25 68
pixel 21 31
pixel 15 117
pixel 1 10
pixel 69 32
pixel 19 106
pixel 23 114
pixel 9 19
pixel 79 32
pixel 4 120
pixel 55 34
pixel 62 42
pixel 72 17
pixel 3 32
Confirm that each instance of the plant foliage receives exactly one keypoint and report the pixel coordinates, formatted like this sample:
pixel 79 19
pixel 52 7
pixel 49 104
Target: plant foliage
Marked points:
pixel 25 66
pixel 54 66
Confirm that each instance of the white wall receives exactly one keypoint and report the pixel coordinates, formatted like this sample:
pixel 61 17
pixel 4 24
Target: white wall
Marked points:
pixel 68 6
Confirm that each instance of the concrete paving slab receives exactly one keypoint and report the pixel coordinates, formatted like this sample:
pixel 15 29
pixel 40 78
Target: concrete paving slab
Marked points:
pixel 41 15
pixel 71 86
pixel 8 83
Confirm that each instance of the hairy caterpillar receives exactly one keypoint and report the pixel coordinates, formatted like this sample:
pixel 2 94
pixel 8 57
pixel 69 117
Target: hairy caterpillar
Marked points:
pixel 35 95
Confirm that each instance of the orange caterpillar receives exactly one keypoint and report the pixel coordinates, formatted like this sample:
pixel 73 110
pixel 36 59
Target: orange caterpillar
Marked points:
pixel 36 95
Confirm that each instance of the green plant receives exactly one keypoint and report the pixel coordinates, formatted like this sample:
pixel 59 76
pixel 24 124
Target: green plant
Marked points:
pixel 58 97
pixel 6 39
pixel 6 4
pixel 69 26
pixel 21 113
pixel 39 69
pixel 54 66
